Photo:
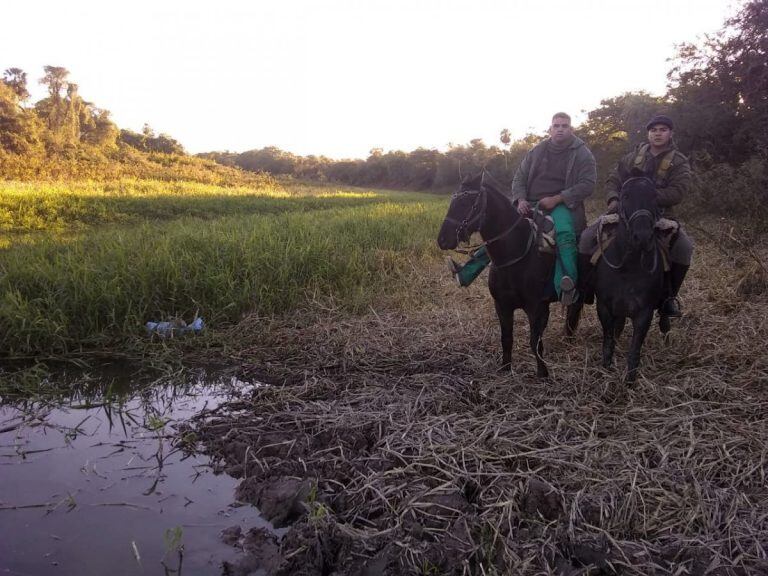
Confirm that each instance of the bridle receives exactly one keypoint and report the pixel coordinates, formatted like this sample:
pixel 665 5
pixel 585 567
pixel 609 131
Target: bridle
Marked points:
pixel 478 216
pixel 627 223
pixel 469 219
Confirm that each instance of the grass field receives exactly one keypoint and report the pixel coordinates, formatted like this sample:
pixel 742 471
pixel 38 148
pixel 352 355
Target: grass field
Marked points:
pixel 84 266
pixel 385 437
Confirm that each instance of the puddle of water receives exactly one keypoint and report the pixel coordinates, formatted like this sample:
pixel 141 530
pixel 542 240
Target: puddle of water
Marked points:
pixel 92 487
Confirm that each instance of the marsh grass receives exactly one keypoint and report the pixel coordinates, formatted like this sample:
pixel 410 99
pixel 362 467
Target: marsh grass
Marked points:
pixel 61 207
pixel 84 284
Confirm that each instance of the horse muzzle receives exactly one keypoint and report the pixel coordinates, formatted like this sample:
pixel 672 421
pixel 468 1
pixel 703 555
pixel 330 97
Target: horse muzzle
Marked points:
pixel 448 238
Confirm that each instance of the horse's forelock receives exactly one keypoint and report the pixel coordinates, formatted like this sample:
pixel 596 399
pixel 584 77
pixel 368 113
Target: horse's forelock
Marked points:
pixel 638 193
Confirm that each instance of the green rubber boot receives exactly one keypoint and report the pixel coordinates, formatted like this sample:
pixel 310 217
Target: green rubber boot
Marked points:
pixel 566 270
pixel 467 273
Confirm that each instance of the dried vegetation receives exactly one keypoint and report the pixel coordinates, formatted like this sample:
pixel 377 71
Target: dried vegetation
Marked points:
pixel 389 443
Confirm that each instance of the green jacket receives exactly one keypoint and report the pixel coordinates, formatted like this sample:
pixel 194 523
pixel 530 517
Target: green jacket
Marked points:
pixel 580 177
pixel 670 187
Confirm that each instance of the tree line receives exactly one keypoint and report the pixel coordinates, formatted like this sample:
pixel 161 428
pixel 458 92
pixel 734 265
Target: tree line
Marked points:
pixel 717 94
pixel 62 135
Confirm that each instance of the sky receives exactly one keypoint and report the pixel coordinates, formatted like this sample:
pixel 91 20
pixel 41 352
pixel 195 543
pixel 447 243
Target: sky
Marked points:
pixel 340 77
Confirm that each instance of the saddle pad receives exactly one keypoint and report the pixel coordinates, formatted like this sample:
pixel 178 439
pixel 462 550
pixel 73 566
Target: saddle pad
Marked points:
pixel 666 231
pixel 667 226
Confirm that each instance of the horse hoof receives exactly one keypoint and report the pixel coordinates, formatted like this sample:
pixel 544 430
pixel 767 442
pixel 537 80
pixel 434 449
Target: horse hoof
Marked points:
pixel 665 324
pixel 504 368
pixel 542 373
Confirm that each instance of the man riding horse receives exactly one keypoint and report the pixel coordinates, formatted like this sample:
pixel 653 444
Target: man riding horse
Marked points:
pixel 659 160
pixel 557 175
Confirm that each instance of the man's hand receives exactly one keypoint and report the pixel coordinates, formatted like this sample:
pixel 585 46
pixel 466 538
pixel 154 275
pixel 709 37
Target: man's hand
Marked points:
pixel 523 207
pixel 550 202
pixel 613 206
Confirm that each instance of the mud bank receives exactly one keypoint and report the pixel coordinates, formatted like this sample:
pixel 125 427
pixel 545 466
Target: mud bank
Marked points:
pixel 389 444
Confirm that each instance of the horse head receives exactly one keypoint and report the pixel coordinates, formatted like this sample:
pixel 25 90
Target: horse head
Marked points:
pixel 465 213
pixel 639 212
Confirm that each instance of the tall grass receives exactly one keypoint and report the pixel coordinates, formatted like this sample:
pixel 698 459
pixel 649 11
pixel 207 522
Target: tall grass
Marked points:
pixel 33 207
pixel 99 287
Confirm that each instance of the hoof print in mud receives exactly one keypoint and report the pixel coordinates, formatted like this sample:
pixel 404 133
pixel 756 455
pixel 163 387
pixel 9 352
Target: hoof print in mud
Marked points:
pixel 542 499
pixel 262 551
pixel 280 500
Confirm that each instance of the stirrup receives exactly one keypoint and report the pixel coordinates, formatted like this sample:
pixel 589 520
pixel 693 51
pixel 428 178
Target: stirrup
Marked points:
pixel 568 293
pixel 453 266
pixel 454 269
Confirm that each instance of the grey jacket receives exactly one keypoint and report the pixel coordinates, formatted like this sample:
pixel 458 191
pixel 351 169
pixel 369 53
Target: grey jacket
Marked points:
pixel 580 177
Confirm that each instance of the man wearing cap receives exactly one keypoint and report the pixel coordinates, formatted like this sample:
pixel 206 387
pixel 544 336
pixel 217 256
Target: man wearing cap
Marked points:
pixel 659 160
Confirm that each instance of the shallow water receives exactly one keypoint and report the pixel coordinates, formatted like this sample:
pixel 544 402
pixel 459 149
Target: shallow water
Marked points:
pixel 91 486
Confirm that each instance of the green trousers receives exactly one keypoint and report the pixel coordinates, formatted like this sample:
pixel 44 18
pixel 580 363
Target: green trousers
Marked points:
pixel 567 252
pixel 567 246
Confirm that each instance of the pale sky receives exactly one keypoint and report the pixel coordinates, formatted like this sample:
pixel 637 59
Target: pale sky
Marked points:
pixel 340 77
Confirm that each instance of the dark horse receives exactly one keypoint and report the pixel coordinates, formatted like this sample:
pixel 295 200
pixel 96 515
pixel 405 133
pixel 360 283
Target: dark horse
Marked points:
pixel 520 276
pixel 629 279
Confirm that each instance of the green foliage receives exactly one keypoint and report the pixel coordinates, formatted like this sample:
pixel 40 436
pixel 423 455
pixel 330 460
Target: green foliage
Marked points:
pixel 66 291
pixel 64 137
pixel 618 125
pixel 420 169
pixel 739 191
pixel 73 207
pixel 16 80
pixel 719 88
pixel 20 129
pixel 148 142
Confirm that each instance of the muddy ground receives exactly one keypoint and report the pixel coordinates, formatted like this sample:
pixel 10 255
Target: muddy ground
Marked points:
pixel 389 443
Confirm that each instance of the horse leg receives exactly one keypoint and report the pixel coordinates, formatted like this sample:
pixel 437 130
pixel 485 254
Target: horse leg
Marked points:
pixel 507 323
pixel 640 325
pixel 609 333
pixel 537 321
pixel 618 326
pixel 572 317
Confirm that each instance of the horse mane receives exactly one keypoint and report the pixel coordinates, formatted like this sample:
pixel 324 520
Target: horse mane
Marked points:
pixel 489 181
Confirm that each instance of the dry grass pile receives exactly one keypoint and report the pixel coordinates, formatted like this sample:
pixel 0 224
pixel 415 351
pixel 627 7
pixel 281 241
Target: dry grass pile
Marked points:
pixel 390 445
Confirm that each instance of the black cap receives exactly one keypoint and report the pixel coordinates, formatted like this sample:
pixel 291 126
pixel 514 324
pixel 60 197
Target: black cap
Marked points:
pixel 660 119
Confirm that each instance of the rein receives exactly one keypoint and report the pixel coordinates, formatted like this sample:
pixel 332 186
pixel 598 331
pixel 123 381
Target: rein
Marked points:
pixel 627 222
pixel 480 216
pixel 529 245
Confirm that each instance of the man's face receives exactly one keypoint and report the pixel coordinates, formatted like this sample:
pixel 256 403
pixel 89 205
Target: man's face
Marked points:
pixel 560 131
pixel 659 136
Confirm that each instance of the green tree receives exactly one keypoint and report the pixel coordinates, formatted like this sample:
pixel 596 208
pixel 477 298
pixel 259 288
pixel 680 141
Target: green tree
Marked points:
pixel 57 110
pixel 719 88
pixel 20 129
pixel 617 125
pixel 16 80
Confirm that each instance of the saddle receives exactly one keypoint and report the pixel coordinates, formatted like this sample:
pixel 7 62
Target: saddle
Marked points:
pixel 544 227
pixel 666 234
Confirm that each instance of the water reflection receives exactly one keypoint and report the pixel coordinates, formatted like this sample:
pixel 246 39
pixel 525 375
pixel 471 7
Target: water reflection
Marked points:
pixel 95 482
